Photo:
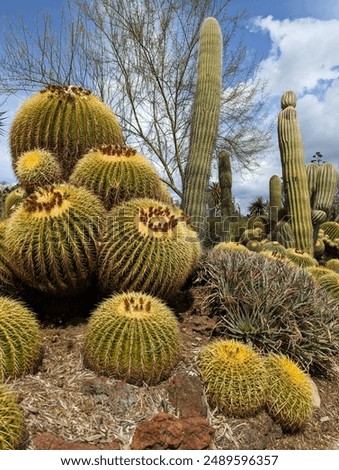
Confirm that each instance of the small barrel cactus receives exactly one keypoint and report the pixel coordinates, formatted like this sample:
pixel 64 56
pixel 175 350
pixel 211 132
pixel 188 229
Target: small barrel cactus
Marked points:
pixel 37 168
pixel 234 377
pixel 66 120
pixel 230 246
pixel 134 337
pixel 11 420
pixel 300 258
pixel 289 395
pixel 20 339
pixel 116 174
pixel 330 282
pixel 147 246
pixel 333 264
pixel 52 238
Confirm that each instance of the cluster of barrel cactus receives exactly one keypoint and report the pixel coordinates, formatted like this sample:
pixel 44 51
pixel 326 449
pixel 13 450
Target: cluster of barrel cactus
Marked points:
pixel 90 213
pixel 240 382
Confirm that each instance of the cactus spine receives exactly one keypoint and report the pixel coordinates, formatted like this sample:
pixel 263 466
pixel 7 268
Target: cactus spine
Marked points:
pixel 234 376
pixel 116 174
pixel 294 174
pixel 66 120
pixel 20 339
pixel 134 337
pixel 52 238
pixel 11 420
pixel 205 121
pixel 148 247
pixel 289 393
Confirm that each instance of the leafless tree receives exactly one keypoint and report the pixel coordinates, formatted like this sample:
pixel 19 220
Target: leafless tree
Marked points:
pixel 139 56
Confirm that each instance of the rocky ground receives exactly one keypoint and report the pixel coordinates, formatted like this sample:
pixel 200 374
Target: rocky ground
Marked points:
pixel 67 406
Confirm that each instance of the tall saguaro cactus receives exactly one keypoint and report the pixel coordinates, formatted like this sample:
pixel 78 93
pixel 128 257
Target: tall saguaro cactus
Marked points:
pixel 275 199
pixel 205 121
pixel 294 173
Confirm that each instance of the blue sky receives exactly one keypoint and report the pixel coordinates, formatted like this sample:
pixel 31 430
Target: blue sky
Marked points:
pixel 298 43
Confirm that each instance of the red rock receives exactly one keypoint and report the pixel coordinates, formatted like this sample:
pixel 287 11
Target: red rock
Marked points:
pixel 186 395
pixel 165 431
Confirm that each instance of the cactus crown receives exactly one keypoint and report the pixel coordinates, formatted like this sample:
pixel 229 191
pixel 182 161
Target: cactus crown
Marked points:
pixel 68 92
pixel 116 150
pixel 48 201
pixel 289 98
pixel 134 306
pixel 159 221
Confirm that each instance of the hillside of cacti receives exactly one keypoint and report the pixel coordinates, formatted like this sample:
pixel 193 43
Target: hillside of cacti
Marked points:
pixel 107 286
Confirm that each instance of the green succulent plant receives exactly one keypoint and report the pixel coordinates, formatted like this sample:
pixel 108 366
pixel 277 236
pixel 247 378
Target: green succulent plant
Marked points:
pixel 300 259
pixel 11 420
pixel 37 168
pixel 134 337
pixel 269 304
pixel 289 396
pixel 116 174
pixel 53 237
pixel 65 120
pixel 227 246
pixel 333 264
pixel 234 377
pixel 20 339
pixel 147 246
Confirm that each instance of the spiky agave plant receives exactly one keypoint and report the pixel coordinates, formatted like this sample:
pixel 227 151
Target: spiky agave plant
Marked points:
pixel 118 173
pixel 147 246
pixel 234 377
pixel 66 120
pixel 53 236
pixel 20 339
pixel 289 396
pixel 271 305
pixel 134 337
pixel 11 420
pixel 37 168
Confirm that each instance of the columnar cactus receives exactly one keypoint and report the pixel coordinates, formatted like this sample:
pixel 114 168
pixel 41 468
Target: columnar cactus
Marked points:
pixel 52 238
pixel 289 394
pixel 66 120
pixel 134 337
pixel 226 200
pixel 275 190
pixel 147 246
pixel 20 339
pixel 11 420
pixel 205 122
pixel 294 174
pixel 116 174
pixel 37 168
pixel 234 377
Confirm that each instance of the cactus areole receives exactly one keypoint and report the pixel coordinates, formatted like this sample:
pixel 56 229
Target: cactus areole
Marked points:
pixel 294 174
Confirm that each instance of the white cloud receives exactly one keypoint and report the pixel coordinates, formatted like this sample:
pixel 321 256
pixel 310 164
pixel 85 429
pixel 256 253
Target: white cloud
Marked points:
pixel 304 57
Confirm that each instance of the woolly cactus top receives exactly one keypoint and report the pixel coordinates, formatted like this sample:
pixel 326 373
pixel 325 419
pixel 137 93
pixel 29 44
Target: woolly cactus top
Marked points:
pixel 159 221
pixel 289 98
pixel 68 92
pixel 50 201
pixel 116 150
